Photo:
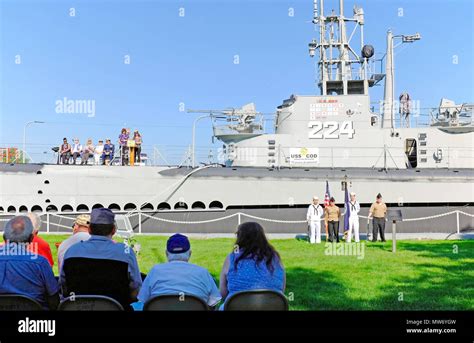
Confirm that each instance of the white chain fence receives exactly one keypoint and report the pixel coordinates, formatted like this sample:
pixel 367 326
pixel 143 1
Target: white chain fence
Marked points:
pixel 239 216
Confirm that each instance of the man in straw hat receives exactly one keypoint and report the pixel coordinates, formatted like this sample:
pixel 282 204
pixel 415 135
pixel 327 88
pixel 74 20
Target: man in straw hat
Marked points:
pixel 80 232
pixel 313 216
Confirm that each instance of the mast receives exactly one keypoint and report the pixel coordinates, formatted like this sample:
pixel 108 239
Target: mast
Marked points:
pixel 387 118
pixel 388 106
pixel 336 56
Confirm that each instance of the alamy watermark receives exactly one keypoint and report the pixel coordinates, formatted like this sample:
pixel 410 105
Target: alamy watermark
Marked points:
pixel 75 106
pixel 356 249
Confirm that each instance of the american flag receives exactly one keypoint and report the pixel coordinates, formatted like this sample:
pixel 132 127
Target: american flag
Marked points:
pixel 327 196
pixel 348 210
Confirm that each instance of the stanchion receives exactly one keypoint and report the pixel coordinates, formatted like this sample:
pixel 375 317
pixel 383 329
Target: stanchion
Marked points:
pixel 394 236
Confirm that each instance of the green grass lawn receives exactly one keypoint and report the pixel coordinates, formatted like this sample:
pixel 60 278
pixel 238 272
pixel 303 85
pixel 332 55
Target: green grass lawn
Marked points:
pixel 422 275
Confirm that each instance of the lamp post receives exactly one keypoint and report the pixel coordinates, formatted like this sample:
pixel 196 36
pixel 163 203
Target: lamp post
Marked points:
pixel 193 152
pixel 24 136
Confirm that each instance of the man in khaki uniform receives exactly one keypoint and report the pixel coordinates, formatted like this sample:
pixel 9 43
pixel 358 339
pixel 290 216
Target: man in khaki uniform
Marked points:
pixel 378 211
pixel 331 217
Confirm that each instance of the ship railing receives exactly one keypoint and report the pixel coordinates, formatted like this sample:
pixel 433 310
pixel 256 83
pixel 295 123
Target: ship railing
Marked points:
pixel 64 220
pixel 178 155
pixel 168 155
pixel 420 117
pixel 333 157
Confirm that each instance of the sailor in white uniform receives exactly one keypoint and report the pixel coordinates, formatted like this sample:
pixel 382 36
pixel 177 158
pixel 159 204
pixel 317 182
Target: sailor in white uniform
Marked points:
pixel 353 219
pixel 313 216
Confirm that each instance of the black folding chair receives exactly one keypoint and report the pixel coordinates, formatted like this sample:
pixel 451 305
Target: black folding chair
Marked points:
pixel 88 276
pixel 17 302
pixel 175 302
pixel 89 303
pixel 257 300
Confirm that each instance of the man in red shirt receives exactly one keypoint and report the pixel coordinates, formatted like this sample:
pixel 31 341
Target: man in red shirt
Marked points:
pixel 39 245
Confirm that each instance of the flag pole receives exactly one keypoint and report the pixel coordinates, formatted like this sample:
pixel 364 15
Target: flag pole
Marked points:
pixel 326 203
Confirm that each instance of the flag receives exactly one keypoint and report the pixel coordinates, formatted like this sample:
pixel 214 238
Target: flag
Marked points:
pixel 348 211
pixel 327 196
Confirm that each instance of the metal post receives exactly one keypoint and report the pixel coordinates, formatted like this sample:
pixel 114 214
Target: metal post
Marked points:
pixel 239 218
pixel 47 222
pixel 457 220
pixel 394 236
pixel 140 222
pixel 24 136
pixel 194 136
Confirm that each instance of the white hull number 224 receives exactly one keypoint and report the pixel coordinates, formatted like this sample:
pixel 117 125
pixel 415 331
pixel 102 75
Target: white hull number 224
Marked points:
pixel 330 129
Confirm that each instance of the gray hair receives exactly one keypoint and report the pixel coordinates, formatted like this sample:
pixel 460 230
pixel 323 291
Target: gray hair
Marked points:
pixel 18 230
pixel 36 221
pixel 185 256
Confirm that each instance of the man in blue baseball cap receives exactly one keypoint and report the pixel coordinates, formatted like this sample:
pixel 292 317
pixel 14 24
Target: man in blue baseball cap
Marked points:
pixel 101 266
pixel 178 276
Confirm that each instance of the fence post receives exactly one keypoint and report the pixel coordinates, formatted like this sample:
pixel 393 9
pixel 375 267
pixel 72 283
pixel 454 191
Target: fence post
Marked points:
pixel 394 236
pixel 47 222
pixel 139 222
pixel 457 220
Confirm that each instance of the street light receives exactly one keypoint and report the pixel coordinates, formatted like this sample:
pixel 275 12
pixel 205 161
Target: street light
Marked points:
pixel 411 38
pixel 24 136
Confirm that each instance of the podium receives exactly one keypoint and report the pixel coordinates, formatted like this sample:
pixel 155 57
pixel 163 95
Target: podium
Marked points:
pixel 131 151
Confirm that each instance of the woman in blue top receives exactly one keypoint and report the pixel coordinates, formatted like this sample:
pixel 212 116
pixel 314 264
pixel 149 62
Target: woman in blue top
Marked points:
pixel 254 263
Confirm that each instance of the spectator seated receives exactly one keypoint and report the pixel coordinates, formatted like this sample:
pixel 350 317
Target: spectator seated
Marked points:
pixel 22 271
pixel 178 280
pixel 100 266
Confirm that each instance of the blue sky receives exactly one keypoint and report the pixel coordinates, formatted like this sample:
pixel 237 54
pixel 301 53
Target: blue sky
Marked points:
pixel 190 60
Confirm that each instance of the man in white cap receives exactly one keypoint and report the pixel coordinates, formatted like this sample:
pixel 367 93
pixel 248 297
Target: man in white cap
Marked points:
pixel 354 208
pixel 313 216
